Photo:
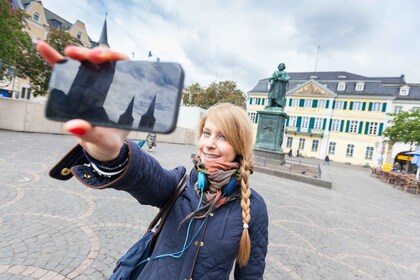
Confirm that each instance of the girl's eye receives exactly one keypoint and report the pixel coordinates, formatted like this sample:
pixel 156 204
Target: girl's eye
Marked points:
pixel 221 136
pixel 206 133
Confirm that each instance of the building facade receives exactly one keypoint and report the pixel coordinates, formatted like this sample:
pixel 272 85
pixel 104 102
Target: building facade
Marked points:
pixel 39 23
pixel 340 114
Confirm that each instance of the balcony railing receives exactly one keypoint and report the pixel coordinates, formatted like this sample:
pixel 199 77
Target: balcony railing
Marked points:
pixel 305 131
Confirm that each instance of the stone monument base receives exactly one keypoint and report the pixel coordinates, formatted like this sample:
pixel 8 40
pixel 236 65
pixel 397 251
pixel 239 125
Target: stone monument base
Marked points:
pixel 269 155
pixel 270 134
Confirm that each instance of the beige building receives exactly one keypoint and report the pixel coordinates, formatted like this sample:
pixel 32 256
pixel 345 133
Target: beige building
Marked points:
pixel 340 114
pixel 39 23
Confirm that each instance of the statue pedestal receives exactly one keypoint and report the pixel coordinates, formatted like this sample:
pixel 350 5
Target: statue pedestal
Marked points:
pixel 270 134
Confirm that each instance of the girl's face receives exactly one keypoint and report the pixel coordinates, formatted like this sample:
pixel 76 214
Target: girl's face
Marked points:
pixel 213 145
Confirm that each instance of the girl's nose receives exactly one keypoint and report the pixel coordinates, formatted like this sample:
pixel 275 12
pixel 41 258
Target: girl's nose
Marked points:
pixel 211 142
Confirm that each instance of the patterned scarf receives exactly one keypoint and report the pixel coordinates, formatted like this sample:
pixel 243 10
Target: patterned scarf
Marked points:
pixel 218 175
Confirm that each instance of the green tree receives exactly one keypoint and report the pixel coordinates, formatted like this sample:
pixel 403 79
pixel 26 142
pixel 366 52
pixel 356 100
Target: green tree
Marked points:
pixel 34 67
pixel 14 41
pixel 405 128
pixel 224 91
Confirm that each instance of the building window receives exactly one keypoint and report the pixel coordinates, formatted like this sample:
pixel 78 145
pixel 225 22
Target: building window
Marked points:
pixel 305 123
pixel 360 86
pixel 376 106
pixel 322 103
pixel 301 143
pixel 369 153
pixel 335 125
pixel 253 101
pixel 292 121
pixel 357 106
pixel 56 24
pixel 25 93
pixel 397 109
pixel 373 128
pixel 295 102
pixel 339 105
pixel 404 90
pixel 350 150
pixel 308 103
pixel 318 123
pixel 354 127
pixel 253 116
pixel 79 35
pixel 35 17
pixel 341 86
pixel 315 144
pixel 331 148
pixel 289 142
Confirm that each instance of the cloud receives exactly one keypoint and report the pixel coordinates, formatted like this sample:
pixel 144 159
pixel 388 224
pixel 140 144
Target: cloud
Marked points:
pixel 244 41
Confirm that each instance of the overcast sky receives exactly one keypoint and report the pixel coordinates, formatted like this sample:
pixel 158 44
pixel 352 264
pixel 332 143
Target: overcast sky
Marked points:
pixel 244 41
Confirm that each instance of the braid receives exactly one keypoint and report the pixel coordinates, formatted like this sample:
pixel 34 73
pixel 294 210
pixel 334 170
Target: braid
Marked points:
pixel 245 243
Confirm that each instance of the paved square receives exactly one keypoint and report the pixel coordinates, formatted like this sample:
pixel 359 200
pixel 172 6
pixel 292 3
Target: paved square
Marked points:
pixel 360 229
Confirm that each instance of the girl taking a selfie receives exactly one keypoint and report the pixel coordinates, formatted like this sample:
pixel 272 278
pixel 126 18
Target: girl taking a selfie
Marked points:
pixel 217 224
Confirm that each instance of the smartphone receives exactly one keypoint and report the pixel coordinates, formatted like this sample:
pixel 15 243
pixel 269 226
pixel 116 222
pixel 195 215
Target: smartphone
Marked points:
pixel 131 95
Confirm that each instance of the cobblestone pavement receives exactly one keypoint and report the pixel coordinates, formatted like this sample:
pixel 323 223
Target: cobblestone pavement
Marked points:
pixel 360 229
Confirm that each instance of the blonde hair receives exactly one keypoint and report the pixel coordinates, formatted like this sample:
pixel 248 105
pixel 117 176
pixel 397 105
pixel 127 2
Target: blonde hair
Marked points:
pixel 236 126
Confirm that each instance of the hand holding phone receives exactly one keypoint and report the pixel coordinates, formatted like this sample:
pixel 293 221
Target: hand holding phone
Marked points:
pixel 102 143
pixel 131 95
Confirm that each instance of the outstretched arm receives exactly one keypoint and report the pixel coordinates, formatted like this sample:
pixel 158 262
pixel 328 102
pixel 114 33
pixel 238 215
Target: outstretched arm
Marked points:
pixel 103 144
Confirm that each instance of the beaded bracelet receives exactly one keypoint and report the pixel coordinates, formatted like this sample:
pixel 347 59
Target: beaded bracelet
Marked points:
pixel 116 166
pixel 103 173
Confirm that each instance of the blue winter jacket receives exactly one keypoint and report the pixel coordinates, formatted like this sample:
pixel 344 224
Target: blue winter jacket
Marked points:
pixel 213 249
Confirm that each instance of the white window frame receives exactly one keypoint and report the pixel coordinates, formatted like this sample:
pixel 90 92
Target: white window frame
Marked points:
pixel 360 86
pixel 322 103
pixel 354 127
pixel 350 150
pixel 335 125
pixel 404 90
pixel 302 143
pixel 289 142
pixel 315 145
pixel 79 35
pixel 307 103
pixel 331 148
pixel 376 106
pixel 357 106
pixel 373 128
pixel 305 123
pixel 369 152
pixel 295 102
pixel 341 86
pixel 339 105
pixel 397 109
pixel 293 121
pixel 318 123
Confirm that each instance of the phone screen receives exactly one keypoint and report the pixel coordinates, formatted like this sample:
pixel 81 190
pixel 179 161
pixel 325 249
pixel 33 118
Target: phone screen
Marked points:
pixel 132 95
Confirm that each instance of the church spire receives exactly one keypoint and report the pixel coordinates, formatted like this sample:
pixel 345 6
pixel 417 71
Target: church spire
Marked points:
pixel 127 117
pixel 148 120
pixel 103 40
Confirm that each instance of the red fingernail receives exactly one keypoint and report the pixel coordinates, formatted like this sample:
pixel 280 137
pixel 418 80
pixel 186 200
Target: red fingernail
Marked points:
pixel 77 131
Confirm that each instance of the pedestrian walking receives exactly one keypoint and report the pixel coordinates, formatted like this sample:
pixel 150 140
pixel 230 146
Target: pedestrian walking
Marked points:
pixel 327 160
pixel 151 140
pixel 218 223
pixel 290 153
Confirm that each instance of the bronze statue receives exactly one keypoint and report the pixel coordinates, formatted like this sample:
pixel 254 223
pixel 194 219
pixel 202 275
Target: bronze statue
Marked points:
pixel 278 85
